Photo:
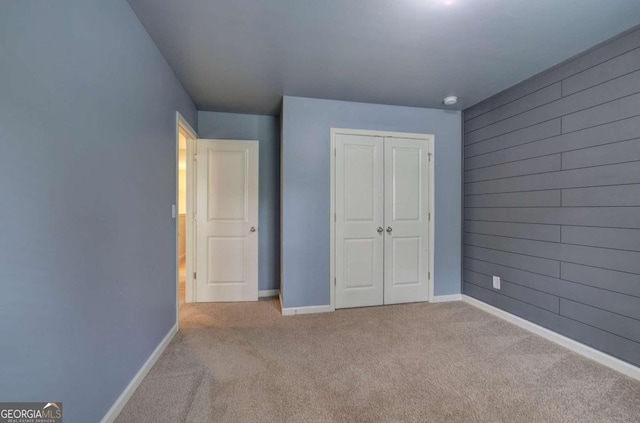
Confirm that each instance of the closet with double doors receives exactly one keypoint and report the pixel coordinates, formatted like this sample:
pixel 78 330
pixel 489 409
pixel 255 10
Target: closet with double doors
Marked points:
pixel 382 222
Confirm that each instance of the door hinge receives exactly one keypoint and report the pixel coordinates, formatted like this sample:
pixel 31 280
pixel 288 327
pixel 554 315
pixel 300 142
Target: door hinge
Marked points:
pixel 429 156
pixel 429 275
pixel 194 275
pixel 335 152
pixel 429 217
pixel 335 217
pixel 335 281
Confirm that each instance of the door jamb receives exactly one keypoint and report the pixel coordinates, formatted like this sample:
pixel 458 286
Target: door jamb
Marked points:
pixel 182 124
pixel 431 209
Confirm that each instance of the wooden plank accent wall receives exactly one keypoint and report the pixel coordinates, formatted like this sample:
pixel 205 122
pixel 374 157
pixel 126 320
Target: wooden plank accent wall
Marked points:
pixel 552 198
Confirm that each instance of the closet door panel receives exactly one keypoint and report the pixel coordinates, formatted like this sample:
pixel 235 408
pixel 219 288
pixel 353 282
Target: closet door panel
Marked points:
pixel 359 216
pixel 406 207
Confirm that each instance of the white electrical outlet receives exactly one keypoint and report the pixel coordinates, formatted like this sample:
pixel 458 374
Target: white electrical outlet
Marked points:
pixel 496 282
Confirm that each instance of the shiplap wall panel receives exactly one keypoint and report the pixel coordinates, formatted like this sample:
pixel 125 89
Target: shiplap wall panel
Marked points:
pixel 623 239
pixel 622 260
pixel 552 198
pixel 518 261
pixel 532 133
pixel 614 68
pixel 528 102
pixel 519 292
pixel 624 283
pixel 618 195
pixel 614 174
pixel 523 167
pixel 615 345
pixel 603 279
pixel 616 302
pixel 516 199
pixel 620 152
pixel 613 217
pixel 611 322
pixel 623 130
pixel 601 54
pixel 580 101
pixel 614 110
pixel 516 230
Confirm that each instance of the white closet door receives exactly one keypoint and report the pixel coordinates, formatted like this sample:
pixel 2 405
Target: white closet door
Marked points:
pixel 227 220
pixel 359 219
pixel 406 220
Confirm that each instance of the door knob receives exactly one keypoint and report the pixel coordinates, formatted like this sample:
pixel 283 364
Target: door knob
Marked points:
pixel 380 230
pixel 253 229
pixel 389 229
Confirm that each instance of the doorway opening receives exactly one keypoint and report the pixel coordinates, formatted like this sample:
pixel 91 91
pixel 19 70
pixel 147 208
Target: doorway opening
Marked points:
pixel 182 213
pixel 185 139
pixel 216 218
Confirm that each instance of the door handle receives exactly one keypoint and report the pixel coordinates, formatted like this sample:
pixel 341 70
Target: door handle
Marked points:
pixel 389 229
pixel 253 229
pixel 380 230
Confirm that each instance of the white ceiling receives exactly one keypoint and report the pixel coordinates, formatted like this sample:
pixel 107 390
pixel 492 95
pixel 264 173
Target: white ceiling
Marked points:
pixel 243 55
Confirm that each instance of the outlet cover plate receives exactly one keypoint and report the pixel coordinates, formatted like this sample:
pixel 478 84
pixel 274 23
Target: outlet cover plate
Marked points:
pixel 496 282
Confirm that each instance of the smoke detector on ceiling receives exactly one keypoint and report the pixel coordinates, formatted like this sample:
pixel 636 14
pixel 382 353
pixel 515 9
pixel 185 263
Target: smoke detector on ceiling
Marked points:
pixel 450 100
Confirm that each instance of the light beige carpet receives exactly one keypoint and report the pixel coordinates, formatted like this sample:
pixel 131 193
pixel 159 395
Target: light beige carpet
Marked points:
pixel 447 362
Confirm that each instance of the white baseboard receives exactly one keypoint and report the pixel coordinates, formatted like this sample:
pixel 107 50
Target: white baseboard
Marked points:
pixel 268 293
pixel 292 311
pixel 117 406
pixel 446 298
pixel 575 346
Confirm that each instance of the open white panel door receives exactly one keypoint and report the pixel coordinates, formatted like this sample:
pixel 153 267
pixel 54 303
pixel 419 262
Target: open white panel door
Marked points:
pixel 226 220
pixel 359 219
pixel 406 262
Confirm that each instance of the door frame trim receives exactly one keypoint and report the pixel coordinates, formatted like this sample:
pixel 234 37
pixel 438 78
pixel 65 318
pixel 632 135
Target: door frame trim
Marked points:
pixel 182 124
pixel 332 212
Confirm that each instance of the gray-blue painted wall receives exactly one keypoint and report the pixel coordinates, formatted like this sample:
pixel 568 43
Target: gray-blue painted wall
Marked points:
pixel 306 125
pixel 552 198
pixel 265 129
pixel 87 245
